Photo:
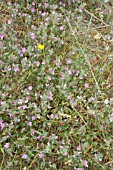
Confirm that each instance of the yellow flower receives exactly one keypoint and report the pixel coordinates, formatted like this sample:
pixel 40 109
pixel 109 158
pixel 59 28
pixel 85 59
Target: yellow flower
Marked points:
pixel 40 46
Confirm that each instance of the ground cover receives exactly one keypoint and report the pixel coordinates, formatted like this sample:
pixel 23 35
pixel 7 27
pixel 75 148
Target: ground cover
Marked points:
pixel 56 85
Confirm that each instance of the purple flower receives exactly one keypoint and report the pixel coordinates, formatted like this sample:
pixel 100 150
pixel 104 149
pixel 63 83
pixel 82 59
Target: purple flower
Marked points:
pixel 25 156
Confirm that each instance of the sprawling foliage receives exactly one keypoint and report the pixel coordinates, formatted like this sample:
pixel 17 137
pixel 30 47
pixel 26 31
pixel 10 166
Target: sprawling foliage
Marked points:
pixel 56 85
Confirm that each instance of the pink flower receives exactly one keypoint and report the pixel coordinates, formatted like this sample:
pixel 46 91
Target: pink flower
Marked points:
pixel 85 163
pixel 30 123
pixel 33 3
pixel 90 99
pixel 69 72
pixel 32 10
pixel 52 71
pixel 24 106
pixel 61 28
pixel 1 120
pixel 106 101
pixel 49 77
pixel 65 153
pixel 50 96
pixel 69 61
pixel 57 38
pixel 80 10
pixel 44 62
pixel 55 7
pixel 62 75
pixel 16 68
pixel 86 85
pixel 2 102
pixel 21 54
pixel 47 19
pixel 33 36
pixel 39 137
pixel 37 63
pixel 1 36
pixel 79 148
pixel 9 21
pixel 111 118
pixel 20 101
pixel 24 168
pixel 77 72
pixel 41 155
pixel 63 142
pixel 2 125
pixel 46 4
pixel 39 5
pixel 60 3
pixel 52 116
pixel 7 145
pixel 106 1
pixel 30 88
pixel 27 92
pixel 24 50
pixel 53 12
pixel 107 48
pixel 27 97
pixel 33 132
pixel 25 156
